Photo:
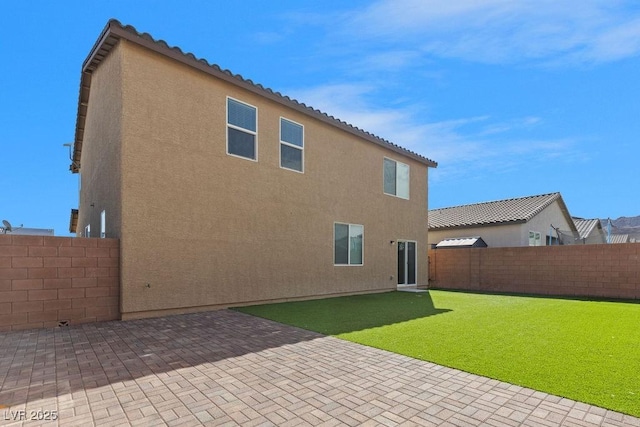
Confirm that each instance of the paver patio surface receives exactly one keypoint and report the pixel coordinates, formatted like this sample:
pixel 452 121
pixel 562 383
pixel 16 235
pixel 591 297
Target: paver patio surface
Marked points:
pixel 229 368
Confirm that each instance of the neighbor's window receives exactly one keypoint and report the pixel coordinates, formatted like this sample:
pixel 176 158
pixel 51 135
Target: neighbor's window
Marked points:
pixel 396 178
pixel 103 224
pixel 535 238
pixel 241 129
pixel 291 145
pixel 348 244
pixel 87 231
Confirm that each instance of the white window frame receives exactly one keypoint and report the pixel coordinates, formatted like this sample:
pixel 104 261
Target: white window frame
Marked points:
pixel 348 264
pixel 396 178
pixel 301 148
pixel 87 230
pixel 241 129
pixel 537 238
pixel 103 224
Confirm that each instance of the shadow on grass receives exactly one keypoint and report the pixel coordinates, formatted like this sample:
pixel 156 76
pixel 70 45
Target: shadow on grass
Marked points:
pixel 335 316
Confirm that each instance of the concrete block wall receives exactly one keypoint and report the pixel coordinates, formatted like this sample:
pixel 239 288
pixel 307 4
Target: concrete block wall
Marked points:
pixel 604 271
pixel 47 280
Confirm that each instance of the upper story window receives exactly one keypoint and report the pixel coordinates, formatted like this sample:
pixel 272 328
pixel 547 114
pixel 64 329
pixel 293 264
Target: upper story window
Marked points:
pixel 242 128
pixel 396 178
pixel 291 145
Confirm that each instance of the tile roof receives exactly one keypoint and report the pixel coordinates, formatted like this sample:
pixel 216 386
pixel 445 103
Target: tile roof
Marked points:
pixel 114 31
pixel 585 226
pixel 512 211
pixel 619 238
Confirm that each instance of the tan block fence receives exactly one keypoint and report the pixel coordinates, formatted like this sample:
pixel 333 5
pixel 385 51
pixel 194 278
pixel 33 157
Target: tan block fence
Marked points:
pixel 602 271
pixel 56 281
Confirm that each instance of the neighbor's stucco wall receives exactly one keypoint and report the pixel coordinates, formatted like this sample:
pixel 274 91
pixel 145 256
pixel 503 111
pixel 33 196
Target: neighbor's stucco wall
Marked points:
pixel 203 229
pixel 596 236
pixel 494 236
pixel 100 170
pixel 551 215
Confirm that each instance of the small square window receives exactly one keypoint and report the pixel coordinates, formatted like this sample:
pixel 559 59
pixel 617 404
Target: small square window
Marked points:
pixel 535 238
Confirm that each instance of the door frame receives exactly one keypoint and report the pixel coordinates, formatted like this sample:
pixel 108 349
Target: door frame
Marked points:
pixel 415 262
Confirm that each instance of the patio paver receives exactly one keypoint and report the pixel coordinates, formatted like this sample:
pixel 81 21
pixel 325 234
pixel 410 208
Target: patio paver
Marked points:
pixel 229 368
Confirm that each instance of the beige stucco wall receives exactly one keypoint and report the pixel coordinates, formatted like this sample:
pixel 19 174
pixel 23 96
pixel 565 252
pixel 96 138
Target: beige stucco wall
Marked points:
pixel 203 229
pixel 597 236
pixel 510 235
pixel 100 161
pixel 551 215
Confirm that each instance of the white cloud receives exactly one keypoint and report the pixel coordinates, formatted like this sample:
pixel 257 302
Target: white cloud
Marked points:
pixel 618 42
pixel 498 31
pixel 267 38
pixel 462 146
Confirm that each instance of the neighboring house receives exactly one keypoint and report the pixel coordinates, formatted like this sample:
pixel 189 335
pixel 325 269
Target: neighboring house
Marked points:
pixel 26 231
pixel 619 238
pixel 224 193
pixel 590 231
pixel 525 221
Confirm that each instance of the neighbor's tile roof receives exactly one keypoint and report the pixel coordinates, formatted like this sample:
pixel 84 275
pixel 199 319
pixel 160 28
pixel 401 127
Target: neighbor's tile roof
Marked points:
pixel 114 31
pixel 488 213
pixel 619 238
pixel 585 226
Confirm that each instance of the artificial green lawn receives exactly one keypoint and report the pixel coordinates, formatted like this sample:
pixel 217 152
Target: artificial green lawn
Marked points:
pixel 584 350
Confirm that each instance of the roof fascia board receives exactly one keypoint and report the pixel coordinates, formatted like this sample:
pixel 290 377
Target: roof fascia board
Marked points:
pixel 567 215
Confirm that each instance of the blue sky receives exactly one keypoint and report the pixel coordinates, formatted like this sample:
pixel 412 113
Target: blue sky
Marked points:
pixel 510 98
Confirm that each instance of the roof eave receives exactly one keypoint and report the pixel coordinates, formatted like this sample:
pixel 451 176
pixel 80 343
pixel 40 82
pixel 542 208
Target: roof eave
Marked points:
pixel 114 31
pixel 73 221
pixel 565 211
pixel 484 224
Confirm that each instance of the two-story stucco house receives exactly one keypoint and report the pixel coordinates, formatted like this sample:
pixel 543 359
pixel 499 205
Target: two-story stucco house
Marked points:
pixel 223 192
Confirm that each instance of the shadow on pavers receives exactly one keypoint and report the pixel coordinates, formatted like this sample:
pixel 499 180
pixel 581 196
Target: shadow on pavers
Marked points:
pixel 44 363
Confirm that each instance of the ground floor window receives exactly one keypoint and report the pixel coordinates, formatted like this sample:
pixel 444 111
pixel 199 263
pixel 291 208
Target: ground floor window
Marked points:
pixel 348 244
